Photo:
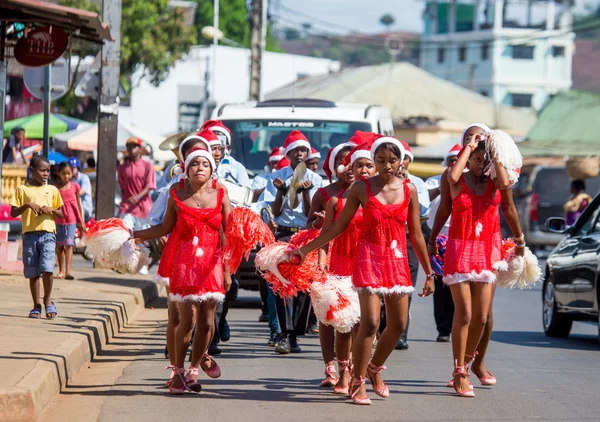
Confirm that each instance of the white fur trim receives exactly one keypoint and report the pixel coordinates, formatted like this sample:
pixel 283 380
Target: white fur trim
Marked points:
pixel 410 155
pixel 387 140
pixel 189 138
pixel 222 130
pixel 161 281
pixel 484 276
pixel 199 153
pixel 384 291
pixel 361 153
pixel 276 158
pixel 217 297
pixel 334 153
pixel 500 266
pixel 482 126
pixel 297 144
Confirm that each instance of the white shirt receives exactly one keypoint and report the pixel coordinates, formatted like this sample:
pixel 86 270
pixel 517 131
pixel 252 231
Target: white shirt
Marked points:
pixel 422 192
pixel 233 171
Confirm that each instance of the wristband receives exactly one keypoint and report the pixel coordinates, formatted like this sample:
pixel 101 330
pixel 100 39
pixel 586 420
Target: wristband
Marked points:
pixel 430 275
pixel 521 238
pixel 521 245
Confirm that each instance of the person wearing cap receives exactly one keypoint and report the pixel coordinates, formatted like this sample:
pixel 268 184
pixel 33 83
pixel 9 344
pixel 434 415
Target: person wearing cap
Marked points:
pixel 228 168
pixel 85 191
pixel 137 179
pixel 312 161
pixel 443 305
pixel 259 183
pixel 292 314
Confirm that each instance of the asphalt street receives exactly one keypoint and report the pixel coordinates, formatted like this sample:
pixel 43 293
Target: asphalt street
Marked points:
pixel 539 378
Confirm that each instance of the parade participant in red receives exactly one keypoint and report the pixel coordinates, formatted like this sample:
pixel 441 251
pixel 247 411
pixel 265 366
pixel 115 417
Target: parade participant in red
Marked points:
pixel 473 251
pixel 192 262
pixel 382 268
pixel 342 251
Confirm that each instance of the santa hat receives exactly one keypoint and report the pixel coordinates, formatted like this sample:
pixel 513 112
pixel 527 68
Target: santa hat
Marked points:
pixel 276 155
pixel 283 163
pixel 360 151
pixel 454 151
pixel 313 154
pixel 296 139
pixel 387 140
pixel 407 151
pixel 482 126
pixel 361 137
pixel 212 138
pixel 218 126
pixel 329 163
pixel 199 152
pixel 206 137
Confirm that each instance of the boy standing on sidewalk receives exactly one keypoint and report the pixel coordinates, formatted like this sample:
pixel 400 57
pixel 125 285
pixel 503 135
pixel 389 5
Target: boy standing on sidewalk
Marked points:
pixel 38 204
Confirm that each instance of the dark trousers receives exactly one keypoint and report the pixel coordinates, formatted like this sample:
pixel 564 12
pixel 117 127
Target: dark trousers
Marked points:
pixel 264 295
pixel 292 313
pixel 443 307
pixel 223 309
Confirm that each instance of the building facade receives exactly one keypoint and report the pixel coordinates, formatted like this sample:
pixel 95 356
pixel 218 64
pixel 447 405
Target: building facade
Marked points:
pixel 518 53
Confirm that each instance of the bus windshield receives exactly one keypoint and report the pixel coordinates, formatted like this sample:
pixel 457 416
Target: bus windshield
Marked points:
pixel 253 140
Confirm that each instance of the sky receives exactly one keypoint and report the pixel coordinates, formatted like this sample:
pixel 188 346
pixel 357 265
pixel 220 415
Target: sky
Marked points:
pixel 340 16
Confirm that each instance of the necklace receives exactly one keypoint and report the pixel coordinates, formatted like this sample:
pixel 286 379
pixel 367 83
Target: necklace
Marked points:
pixel 193 196
pixel 477 187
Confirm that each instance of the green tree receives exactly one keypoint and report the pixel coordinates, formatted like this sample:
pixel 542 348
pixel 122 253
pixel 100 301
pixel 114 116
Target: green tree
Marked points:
pixel 233 20
pixel 387 20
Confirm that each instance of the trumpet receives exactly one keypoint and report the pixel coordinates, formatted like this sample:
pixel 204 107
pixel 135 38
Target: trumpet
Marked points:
pixel 172 143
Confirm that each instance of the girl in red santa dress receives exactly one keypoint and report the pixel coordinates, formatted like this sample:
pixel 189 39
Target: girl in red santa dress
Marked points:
pixel 192 261
pixel 342 251
pixel 473 251
pixel 388 203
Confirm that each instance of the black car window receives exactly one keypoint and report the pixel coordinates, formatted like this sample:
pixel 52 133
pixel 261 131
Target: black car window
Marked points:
pixel 552 184
pixel 589 216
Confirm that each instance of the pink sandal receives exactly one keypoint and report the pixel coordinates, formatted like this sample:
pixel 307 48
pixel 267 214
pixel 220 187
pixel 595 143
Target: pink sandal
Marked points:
pixel 487 380
pixel 179 373
pixel 193 385
pixel 343 366
pixel 355 385
pixel 462 372
pixel 373 370
pixel 330 377
pixel 170 380
pixel 214 371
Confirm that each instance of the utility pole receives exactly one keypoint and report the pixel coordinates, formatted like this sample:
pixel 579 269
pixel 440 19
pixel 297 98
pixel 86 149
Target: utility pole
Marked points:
pixel 109 113
pixel 3 88
pixel 257 21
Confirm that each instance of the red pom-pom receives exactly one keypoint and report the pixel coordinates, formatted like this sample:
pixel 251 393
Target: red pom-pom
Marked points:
pixel 245 229
pixel 105 226
pixel 303 237
pixel 286 278
pixel 508 248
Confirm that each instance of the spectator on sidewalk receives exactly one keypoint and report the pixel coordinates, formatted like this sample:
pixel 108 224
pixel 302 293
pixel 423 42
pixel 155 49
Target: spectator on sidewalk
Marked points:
pixel 12 149
pixel 90 165
pixel 85 191
pixel 38 204
pixel 136 179
pixel 575 206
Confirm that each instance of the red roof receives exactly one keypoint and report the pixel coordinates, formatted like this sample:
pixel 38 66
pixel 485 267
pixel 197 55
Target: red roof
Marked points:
pixel 84 24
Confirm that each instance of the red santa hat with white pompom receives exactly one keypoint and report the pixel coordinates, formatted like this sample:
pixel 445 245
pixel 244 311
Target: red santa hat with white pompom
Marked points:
pixel 329 163
pixel 295 139
pixel 208 139
pixel 454 151
pixel 276 155
pixel 362 142
pixel 313 154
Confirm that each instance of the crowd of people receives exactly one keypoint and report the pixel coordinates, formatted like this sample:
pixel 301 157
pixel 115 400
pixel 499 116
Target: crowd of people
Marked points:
pixel 377 221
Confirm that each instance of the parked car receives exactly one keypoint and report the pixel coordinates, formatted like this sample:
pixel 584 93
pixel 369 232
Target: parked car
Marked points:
pixel 539 195
pixel 570 290
pixel 258 127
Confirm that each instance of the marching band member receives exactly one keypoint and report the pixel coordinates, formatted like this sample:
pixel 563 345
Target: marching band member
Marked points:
pixel 312 161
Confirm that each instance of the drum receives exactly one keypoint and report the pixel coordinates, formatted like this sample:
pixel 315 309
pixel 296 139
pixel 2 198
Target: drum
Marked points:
pixel 239 195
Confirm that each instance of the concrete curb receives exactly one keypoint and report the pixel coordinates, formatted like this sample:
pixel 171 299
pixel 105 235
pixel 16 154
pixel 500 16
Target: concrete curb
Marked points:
pixel 36 390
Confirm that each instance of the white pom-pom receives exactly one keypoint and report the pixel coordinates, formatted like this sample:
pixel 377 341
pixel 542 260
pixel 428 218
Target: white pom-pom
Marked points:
pixel 195 241
pixel 394 244
pixel 177 170
pixel 397 253
pixel 522 271
pixel 335 303
pixel 504 148
pixel 341 168
pixel 478 229
pixel 199 252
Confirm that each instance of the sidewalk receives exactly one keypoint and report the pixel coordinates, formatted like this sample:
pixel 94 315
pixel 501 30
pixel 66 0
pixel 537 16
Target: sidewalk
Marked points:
pixel 39 357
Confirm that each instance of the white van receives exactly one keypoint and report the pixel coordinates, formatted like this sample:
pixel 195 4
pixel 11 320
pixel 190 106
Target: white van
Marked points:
pixel 258 127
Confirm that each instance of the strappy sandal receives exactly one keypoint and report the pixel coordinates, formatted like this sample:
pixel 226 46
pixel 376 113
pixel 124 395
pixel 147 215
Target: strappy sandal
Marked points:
pixel 470 358
pixel 180 374
pixel 343 366
pixel 330 377
pixel 486 380
pixel 193 385
pixel 373 370
pixel 170 380
pixel 214 371
pixel 51 309
pixel 355 385
pixel 462 372
pixel 36 312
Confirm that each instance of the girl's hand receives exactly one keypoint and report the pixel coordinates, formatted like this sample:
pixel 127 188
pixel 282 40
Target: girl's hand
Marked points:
pixel 47 210
pixel 429 287
pixel 520 251
pixel 81 228
pixel 323 266
pixel 474 141
pixel 320 218
pixel 432 248
pixel 295 256
pixel 34 207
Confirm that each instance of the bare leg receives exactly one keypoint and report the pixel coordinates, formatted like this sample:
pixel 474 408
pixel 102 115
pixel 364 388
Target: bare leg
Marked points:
pixel 183 334
pixel 478 364
pixel 461 295
pixel 327 339
pixel 343 348
pixel 396 314
pixel 205 329
pixel 60 257
pixel 34 288
pixel 370 308
pixel 481 299
pixel 68 259
pixel 174 320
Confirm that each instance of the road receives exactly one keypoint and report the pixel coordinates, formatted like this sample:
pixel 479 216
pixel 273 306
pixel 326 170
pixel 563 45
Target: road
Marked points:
pixel 539 378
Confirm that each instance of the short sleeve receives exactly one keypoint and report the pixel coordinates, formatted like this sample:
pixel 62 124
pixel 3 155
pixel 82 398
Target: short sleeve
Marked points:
pixel 150 176
pixel 18 199
pixel 56 199
pixel 76 187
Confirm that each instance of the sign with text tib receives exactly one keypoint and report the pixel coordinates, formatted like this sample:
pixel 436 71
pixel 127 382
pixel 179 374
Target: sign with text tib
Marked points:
pixel 189 113
pixel 41 46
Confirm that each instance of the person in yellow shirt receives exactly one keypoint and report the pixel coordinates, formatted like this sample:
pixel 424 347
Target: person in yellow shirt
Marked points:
pixel 38 204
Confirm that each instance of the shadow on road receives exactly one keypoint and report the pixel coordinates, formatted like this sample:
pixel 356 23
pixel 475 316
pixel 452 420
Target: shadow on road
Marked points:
pixel 539 339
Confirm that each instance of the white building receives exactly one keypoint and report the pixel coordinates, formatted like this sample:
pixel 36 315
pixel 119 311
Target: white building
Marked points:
pixel 518 53
pixel 174 105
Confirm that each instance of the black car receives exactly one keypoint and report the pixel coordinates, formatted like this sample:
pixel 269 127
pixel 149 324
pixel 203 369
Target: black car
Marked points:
pixel 570 291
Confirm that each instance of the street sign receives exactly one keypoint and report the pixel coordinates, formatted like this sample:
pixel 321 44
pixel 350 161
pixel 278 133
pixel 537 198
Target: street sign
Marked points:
pixel 33 77
pixel 41 46
pixel 189 113
pixel 89 85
